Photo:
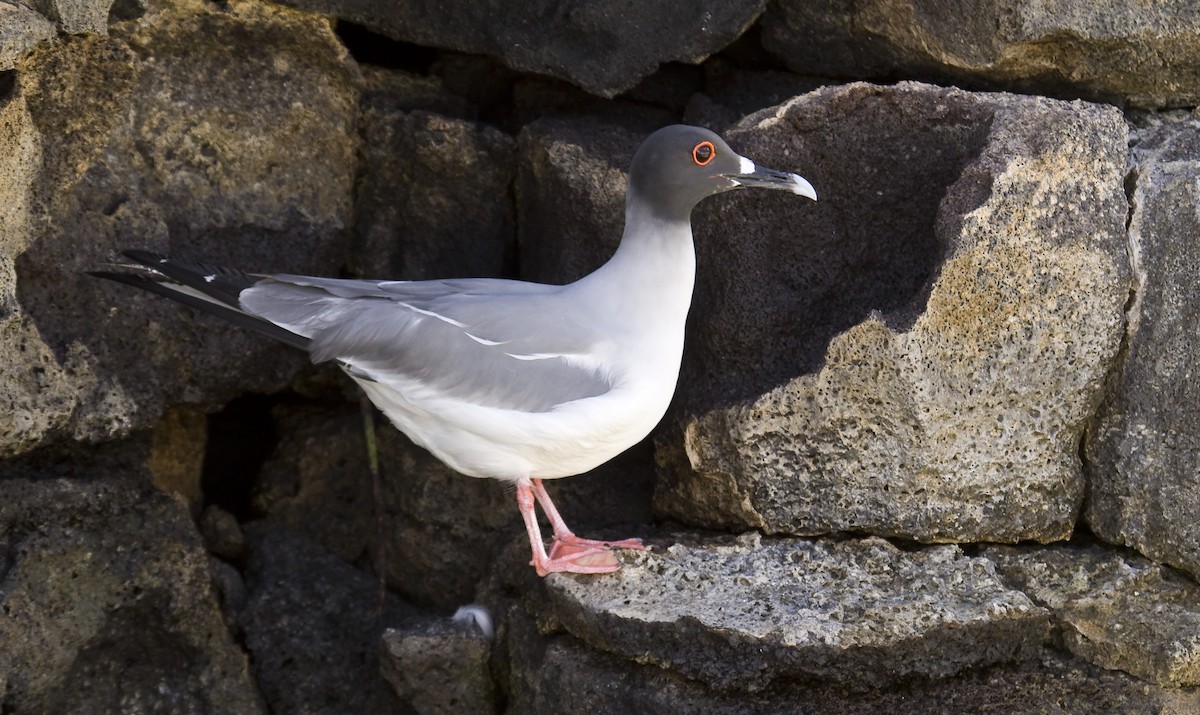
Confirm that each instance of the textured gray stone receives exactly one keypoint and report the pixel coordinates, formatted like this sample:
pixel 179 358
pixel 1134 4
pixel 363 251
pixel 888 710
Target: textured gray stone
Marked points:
pixel 571 196
pixel 743 616
pixel 38 395
pixel 1115 610
pixel 440 668
pixel 77 16
pixel 560 677
pixel 21 29
pixel 453 216
pixel 1144 450
pixel 312 625
pixel 917 354
pixel 603 48
pixel 222 134
pixel 1109 50
pixel 107 605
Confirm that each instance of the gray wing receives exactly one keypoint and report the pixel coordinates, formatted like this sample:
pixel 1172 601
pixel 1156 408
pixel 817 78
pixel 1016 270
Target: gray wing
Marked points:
pixel 496 343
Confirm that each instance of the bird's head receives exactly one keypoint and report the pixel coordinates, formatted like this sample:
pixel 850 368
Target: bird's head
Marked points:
pixel 678 166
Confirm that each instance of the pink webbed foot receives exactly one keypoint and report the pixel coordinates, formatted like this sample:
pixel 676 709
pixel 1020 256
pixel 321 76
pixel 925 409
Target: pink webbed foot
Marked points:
pixel 568 552
pixel 570 544
pixel 594 560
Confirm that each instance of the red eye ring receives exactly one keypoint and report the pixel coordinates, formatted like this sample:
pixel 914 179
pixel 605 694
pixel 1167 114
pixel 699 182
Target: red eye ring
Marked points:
pixel 703 153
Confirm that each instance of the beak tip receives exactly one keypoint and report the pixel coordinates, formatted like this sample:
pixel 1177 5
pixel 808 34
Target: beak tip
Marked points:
pixel 803 188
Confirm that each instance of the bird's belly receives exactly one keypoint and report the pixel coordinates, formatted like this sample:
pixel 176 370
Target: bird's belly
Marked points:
pixel 508 444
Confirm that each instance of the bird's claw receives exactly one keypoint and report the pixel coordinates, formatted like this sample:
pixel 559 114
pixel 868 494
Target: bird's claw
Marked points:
pixel 571 543
pixel 587 560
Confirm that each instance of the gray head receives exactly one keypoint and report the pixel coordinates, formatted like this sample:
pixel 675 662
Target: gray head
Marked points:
pixel 677 166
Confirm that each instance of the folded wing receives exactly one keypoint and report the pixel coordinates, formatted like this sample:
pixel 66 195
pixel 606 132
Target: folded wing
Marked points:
pixel 493 343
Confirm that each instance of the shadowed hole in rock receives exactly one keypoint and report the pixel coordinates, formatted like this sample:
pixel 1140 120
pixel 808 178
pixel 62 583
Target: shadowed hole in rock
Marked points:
pixel 8 86
pixel 126 10
pixel 372 48
pixel 770 299
pixel 115 204
pixel 240 439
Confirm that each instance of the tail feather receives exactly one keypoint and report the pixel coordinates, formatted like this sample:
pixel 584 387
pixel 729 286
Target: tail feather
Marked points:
pixel 208 288
pixel 218 282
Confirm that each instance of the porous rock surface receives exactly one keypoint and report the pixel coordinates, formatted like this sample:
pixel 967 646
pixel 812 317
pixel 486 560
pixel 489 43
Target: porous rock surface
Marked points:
pixel 20 30
pixel 442 668
pixel 1116 610
pixel 107 605
pixel 862 614
pixel 928 376
pixel 1144 451
pixel 559 675
pixel 234 170
pixel 1143 54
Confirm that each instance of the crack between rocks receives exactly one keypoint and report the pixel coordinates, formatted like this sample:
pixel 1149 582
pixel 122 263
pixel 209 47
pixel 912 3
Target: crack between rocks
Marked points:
pixel 1131 311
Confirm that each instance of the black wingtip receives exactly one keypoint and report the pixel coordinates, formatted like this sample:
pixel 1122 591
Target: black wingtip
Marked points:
pixel 145 258
pixel 147 282
pixel 132 279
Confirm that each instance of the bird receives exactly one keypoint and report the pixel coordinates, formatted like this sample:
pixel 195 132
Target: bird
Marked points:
pixel 506 379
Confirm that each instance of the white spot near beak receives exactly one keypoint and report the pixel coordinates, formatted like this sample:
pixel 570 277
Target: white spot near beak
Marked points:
pixel 746 166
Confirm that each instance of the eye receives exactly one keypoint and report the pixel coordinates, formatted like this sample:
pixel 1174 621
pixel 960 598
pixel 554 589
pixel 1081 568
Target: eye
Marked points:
pixel 703 153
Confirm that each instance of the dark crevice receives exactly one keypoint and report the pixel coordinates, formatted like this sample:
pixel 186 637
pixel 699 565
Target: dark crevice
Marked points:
pixel 1117 365
pixel 371 48
pixel 8 86
pixel 241 438
pixel 114 204
pixel 122 10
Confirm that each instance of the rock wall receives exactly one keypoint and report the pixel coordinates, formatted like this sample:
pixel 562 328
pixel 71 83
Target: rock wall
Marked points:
pixel 934 446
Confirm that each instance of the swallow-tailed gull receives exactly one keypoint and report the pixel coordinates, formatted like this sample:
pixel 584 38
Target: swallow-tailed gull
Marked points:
pixel 501 378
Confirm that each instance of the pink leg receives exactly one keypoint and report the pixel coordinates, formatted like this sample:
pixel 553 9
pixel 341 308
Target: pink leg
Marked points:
pixel 565 541
pixel 593 560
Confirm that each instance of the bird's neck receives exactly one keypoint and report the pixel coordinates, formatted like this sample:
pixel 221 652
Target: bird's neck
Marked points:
pixel 655 265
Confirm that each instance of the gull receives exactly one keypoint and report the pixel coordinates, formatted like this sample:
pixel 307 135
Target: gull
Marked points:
pixel 506 379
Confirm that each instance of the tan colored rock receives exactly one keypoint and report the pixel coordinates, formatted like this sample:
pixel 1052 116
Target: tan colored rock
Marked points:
pixel 219 134
pixel 1143 54
pixel 37 397
pixel 176 458
pixel 20 30
pixel 965 261
pixel 77 17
